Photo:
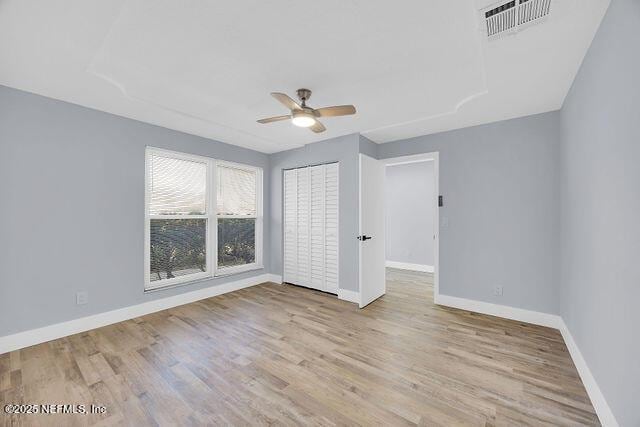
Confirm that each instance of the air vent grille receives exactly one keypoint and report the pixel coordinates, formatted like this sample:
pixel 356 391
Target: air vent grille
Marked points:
pixel 510 16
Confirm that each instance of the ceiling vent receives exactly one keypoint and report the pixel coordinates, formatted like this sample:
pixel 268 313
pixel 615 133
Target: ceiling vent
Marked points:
pixel 514 15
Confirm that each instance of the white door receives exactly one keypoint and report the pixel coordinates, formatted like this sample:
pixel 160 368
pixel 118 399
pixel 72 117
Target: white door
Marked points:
pixel 290 194
pixel 317 242
pixel 331 212
pixel 311 227
pixel 303 263
pixel 372 251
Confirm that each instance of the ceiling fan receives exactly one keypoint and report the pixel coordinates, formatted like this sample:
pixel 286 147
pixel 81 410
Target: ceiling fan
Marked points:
pixel 305 116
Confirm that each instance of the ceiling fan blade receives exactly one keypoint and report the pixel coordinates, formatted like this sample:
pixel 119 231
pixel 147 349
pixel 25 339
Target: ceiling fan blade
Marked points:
pixel 337 110
pixel 274 119
pixel 318 127
pixel 285 100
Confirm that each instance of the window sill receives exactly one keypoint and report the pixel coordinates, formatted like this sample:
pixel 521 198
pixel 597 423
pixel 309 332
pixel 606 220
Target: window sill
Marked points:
pixel 187 281
pixel 224 272
pixel 230 271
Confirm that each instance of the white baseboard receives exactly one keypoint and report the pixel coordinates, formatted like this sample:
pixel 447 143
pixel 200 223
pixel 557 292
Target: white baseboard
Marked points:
pixel 598 401
pixel 59 330
pixel 347 295
pixel 543 319
pixel 408 266
pixel 505 311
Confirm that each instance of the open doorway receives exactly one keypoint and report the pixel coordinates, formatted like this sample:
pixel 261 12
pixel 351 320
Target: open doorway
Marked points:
pixel 412 223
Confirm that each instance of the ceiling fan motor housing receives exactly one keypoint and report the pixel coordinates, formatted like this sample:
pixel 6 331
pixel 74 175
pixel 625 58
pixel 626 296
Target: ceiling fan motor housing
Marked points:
pixel 303 95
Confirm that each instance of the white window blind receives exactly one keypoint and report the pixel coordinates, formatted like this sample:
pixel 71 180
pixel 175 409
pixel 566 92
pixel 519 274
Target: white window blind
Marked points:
pixel 236 191
pixel 177 186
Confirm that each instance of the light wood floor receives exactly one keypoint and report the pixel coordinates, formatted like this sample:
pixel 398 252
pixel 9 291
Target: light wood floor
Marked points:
pixel 286 355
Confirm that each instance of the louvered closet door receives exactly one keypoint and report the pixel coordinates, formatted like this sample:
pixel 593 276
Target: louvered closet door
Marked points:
pixel 311 227
pixel 317 238
pixel 290 268
pixel 331 227
pixel 303 228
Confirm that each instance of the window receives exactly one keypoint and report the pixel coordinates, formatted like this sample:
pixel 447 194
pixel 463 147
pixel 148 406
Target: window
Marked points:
pixel 193 231
pixel 239 220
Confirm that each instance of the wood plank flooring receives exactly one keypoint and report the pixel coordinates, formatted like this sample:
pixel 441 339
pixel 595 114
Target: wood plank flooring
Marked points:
pixel 286 355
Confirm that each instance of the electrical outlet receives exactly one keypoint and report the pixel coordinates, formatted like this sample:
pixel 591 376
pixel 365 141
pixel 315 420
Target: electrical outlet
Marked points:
pixel 497 291
pixel 444 221
pixel 82 297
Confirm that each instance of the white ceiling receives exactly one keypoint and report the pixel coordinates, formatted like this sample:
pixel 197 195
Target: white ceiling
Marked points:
pixel 207 67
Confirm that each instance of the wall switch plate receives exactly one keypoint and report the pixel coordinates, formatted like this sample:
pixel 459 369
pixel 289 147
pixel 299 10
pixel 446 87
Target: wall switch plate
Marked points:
pixel 444 221
pixel 82 297
pixel 497 290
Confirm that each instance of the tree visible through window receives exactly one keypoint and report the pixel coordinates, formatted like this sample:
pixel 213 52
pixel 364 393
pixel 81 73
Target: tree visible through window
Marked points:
pixel 178 247
pixel 236 241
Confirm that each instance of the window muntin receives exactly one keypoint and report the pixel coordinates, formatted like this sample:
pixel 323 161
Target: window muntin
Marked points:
pixel 188 234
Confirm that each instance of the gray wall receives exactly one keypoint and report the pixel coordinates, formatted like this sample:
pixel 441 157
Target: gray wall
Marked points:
pixel 72 208
pixel 500 188
pixel 600 211
pixel 344 150
pixel 410 204
pixel 368 147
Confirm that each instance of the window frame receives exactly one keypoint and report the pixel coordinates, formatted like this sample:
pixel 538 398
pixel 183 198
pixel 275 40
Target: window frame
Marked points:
pixel 211 216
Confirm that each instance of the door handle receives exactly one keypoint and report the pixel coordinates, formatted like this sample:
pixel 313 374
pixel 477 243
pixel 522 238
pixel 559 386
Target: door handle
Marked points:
pixel 364 237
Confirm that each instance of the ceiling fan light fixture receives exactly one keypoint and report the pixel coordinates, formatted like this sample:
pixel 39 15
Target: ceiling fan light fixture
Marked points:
pixel 303 119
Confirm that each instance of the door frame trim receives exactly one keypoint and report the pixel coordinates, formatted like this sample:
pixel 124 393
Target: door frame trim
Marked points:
pixel 435 158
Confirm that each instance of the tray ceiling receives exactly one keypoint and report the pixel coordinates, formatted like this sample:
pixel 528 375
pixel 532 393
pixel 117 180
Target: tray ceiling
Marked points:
pixel 207 68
